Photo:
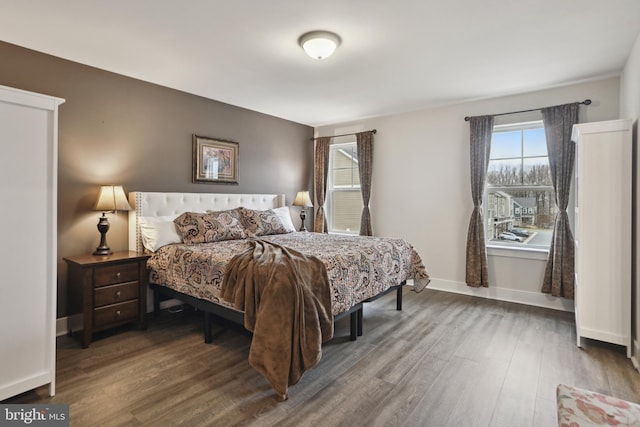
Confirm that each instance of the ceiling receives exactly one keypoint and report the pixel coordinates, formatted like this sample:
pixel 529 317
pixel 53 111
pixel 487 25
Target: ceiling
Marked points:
pixel 395 56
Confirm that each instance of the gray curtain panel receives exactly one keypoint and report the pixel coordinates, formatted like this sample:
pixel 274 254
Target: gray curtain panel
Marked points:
pixel 320 172
pixel 365 165
pixel 481 129
pixel 558 124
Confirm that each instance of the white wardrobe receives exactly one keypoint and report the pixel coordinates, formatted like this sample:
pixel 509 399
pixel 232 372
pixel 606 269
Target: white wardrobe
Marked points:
pixel 28 226
pixel 604 182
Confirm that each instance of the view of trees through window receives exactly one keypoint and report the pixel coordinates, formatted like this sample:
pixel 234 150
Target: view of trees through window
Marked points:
pixel 520 202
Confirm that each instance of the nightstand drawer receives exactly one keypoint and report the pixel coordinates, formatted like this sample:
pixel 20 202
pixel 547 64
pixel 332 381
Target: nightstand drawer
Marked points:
pixel 118 273
pixel 112 294
pixel 115 313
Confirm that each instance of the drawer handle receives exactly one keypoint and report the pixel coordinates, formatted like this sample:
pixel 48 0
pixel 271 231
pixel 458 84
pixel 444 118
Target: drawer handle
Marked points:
pixel 118 313
pixel 117 275
pixel 118 293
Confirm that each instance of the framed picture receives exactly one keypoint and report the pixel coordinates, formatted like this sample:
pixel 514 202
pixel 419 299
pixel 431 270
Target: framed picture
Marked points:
pixel 214 160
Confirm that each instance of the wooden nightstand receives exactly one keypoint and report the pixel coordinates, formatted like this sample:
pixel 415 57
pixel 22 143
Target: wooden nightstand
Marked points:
pixel 110 290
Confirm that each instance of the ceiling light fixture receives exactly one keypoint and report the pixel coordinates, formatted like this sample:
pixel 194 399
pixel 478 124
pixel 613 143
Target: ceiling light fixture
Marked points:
pixel 319 44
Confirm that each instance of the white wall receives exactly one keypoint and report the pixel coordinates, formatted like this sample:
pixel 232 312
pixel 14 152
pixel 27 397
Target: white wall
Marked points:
pixel 630 84
pixel 630 108
pixel 421 185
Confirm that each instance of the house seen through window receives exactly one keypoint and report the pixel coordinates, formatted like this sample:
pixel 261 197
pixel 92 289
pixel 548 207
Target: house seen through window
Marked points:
pixel 519 199
pixel 344 201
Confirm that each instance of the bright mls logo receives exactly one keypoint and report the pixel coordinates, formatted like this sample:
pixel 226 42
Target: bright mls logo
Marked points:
pixel 36 415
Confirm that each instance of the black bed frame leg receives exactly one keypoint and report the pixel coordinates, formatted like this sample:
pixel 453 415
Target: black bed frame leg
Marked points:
pixel 354 325
pixel 156 303
pixel 399 299
pixel 360 313
pixel 208 338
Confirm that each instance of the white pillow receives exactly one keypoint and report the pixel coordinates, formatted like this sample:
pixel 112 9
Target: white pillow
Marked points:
pixel 158 231
pixel 285 217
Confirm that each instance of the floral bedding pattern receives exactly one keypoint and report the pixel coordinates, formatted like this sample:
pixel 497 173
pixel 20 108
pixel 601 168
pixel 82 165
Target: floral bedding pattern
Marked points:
pixel 579 408
pixel 358 267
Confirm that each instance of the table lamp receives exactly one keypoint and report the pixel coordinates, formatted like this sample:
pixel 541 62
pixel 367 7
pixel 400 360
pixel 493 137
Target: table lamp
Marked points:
pixel 111 199
pixel 304 201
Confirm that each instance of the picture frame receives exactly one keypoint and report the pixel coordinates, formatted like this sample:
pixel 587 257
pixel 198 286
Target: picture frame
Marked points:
pixel 215 160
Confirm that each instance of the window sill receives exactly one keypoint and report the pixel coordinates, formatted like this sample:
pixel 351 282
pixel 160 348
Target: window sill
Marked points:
pixel 520 252
pixel 342 233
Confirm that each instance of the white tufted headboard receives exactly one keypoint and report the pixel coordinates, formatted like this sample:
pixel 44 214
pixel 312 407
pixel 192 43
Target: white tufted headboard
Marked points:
pixel 166 204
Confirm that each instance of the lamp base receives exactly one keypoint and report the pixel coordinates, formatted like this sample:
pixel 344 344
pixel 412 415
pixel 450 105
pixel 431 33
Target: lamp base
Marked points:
pixel 103 251
pixel 103 227
pixel 303 215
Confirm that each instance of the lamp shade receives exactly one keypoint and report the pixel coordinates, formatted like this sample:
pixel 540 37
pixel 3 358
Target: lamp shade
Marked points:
pixel 112 198
pixel 303 199
pixel 319 44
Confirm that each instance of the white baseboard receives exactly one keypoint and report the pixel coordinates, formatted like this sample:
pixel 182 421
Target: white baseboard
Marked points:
pixel 69 323
pixel 166 304
pixel 537 299
pixel 636 353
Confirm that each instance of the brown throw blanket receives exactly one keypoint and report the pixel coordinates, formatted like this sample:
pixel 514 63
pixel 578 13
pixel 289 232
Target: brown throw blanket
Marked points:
pixel 286 300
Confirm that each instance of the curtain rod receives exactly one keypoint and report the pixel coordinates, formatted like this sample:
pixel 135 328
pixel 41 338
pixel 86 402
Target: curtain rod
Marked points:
pixel 344 134
pixel 585 102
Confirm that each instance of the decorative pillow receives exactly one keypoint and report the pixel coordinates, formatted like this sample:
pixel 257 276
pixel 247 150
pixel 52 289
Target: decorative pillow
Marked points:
pixel 208 227
pixel 158 231
pixel 285 217
pixel 262 223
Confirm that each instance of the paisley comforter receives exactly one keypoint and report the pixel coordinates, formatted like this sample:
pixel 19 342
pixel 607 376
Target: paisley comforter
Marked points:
pixel 358 267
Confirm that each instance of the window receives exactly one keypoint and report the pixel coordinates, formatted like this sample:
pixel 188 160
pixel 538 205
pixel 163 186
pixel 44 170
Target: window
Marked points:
pixel 520 201
pixel 344 201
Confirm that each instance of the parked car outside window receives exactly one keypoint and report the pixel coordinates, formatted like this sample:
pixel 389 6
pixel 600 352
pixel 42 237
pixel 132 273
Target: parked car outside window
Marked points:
pixel 509 236
pixel 519 232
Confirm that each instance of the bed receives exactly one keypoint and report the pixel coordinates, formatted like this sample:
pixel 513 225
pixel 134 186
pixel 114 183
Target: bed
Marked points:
pixel 199 271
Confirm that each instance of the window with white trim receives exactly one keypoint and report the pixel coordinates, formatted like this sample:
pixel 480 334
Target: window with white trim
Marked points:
pixel 344 200
pixel 520 206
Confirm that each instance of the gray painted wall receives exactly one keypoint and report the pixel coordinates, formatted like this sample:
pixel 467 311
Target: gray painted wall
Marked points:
pixel 118 130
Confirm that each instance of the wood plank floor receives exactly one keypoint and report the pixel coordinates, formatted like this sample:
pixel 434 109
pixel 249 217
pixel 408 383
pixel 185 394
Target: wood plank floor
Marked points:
pixel 445 360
